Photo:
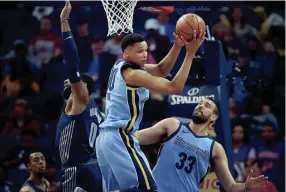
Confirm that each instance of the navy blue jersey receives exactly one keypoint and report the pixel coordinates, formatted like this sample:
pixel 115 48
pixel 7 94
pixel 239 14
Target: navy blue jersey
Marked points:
pixel 76 136
pixel 31 184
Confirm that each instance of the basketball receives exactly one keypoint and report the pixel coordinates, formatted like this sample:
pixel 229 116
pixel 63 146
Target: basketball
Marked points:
pixel 187 23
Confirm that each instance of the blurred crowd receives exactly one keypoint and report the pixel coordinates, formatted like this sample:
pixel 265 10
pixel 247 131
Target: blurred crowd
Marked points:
pixel 32 76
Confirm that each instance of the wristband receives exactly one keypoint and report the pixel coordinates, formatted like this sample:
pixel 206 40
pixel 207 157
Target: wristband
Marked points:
pixel 63 19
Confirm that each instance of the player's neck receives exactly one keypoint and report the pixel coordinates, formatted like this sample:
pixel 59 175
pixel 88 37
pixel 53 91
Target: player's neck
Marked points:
pixel 199 129
pixel 126 58
pixel 37 178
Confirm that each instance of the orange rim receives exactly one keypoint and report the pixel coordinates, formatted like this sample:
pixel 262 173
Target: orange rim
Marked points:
pixel 158 9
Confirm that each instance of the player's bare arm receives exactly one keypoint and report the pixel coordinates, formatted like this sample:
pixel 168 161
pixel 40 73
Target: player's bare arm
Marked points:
pixel 157 133
pixel 78 87
pixel 26 189
pixel 142 78
pixel 224 176
pixel 163 68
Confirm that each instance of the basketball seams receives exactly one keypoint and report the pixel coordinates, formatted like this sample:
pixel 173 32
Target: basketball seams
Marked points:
pixel 181 31
pixel 188 23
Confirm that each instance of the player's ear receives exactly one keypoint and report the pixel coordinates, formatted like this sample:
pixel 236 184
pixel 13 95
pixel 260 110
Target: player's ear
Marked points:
pixel 126 52
pixel 29 166
pixel 214 117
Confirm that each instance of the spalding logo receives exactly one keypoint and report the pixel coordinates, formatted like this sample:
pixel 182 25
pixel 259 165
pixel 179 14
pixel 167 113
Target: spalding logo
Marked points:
pixel 193 91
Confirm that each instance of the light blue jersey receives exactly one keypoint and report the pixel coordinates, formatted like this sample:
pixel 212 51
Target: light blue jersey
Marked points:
pixel 124 103
pixel 183 161
pixel 122 163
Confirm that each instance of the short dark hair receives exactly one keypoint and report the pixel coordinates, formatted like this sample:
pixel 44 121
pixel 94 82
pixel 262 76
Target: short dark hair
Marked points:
pixel 270 124
pixel 216 106
pixel 130 40
pixel 86 79
pixel 27 155
pixel 239 122
pixel 98 38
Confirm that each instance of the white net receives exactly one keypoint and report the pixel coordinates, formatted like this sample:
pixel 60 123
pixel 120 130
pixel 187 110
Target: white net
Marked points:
pixel 119 15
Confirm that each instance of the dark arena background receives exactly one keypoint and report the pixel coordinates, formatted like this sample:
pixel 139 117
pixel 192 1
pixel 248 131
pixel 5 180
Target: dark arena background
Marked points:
pixel 241 65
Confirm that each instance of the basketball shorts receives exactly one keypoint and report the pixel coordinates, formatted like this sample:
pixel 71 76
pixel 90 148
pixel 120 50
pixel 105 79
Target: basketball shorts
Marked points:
pixel 86 176
pixel 122 163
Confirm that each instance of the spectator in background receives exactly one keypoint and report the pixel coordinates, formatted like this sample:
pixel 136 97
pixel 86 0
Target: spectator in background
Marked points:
pixel 101 64
pixel 270 154
pixel 45 45
pixel 20 119
pixel 270 187
pixel 242 30
pixel 243 63
pixel 232 46
pixel 19 78
pixel 51 82
pixel 233 110
pixel 104 60
pixel 35 163
pixel 241 150
pixel 165 28
pixel 83 40
pixel 219 30
pixel 255 116
pixel 5 186
pixel 113 45
pixel 158 45
pixel 254 48
pixel 15 158
pixel 97 47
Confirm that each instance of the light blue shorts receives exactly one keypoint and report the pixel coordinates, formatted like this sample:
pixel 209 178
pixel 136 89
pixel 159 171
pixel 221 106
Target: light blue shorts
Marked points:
pixel 122 163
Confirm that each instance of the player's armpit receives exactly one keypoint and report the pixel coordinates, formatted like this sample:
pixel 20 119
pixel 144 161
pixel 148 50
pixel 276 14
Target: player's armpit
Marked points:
pixel 157 133
pixel 221 168
pixel 26 189
pixel 144 79
pixel 80 92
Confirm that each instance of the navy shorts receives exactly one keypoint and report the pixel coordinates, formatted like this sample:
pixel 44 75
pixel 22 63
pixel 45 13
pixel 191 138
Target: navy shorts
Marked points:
pixel 86 176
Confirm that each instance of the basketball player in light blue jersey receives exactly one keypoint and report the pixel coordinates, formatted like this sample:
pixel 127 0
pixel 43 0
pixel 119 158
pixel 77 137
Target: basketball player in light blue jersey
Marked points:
pixel 187 151
pixel 123 165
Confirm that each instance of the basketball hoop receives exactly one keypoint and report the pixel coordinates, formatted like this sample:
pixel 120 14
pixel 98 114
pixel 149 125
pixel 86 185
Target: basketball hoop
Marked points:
pixel 119 15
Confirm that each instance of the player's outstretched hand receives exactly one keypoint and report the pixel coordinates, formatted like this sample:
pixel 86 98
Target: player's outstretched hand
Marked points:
pixel 255 182
pixel 66 10
pixel 195 44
